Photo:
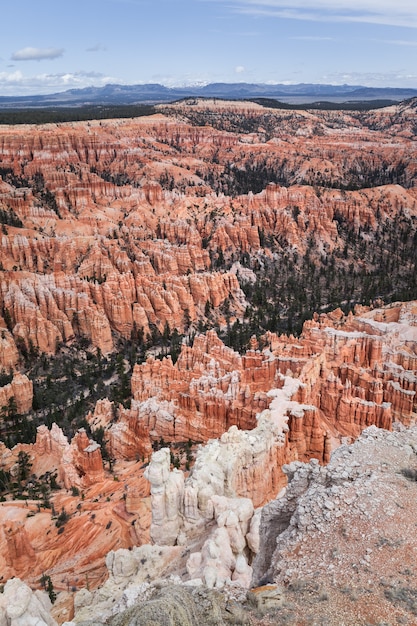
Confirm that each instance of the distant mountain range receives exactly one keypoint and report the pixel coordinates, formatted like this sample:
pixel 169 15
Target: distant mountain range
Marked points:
pixel 155 93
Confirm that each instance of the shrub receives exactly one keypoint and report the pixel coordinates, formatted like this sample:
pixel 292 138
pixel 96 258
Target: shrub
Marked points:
pixel 409 473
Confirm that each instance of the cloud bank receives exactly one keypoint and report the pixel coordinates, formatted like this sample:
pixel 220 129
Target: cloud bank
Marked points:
pixel 17 83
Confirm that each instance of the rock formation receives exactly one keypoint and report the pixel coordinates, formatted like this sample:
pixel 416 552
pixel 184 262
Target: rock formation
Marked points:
pixel 168 603
pixel 129 573
pixel 9 354
pixel 77 464
pixel 209 389
pixel 337 541
pixel 352 373
pixel 130 230
pixel 295 400
pixel 337 525
pixel 114 226
pixel 344 393
pixel 229 477
pixel 19 605
pixel 21 390
pixel 86 458
pixel 69 537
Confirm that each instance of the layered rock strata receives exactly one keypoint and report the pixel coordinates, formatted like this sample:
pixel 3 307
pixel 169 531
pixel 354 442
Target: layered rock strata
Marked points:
pixel 209 389
pixel 338 373
pixel 114 226
pixel 78 464
pixel 20 390
pixel 352 371
pixel 337 541
pixel 299 397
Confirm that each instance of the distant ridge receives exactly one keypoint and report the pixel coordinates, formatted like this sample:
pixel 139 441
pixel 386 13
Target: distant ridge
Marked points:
pixel 153 93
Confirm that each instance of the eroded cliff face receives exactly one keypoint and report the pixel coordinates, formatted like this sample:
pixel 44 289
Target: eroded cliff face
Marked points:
pixel 94 257
pixel 68 530
pixel 209 389
pixel 341 376
pixel 295 400
pixel 340 363
pixel 122 230
pixel 114 226
pixel 352 371
pixel 336 525
pixel 323 545
pixel 20 389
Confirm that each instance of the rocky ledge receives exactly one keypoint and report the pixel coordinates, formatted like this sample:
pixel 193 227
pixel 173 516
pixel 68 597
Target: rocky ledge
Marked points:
pixel 336 547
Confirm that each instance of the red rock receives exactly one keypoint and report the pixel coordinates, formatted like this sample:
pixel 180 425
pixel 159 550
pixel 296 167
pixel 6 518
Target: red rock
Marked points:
pixel 120 257
pixel 9 355
pixel 21 389
pixel 120 254
pixel 87 458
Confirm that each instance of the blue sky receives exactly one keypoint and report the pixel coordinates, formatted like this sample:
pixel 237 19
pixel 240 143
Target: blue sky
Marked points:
pixel 53 45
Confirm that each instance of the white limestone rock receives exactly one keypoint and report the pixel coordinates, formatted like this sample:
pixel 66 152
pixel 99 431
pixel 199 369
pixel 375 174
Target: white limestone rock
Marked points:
pixel 243 572
pixel 252 537
pixel 20 606
pixel 216 561
pixel 121 564
pixel 129 573
pixel 167 489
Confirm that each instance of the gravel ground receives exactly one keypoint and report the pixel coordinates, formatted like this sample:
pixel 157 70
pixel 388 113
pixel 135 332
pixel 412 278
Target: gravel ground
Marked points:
pixel 349 554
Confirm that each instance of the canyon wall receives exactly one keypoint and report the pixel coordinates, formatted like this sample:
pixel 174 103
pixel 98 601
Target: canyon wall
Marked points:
pixel 114 226
pixel 348 368
pixel 115 233
pixel 250 415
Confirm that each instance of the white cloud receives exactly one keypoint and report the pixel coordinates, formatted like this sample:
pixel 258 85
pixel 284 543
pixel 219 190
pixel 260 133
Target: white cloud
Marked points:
pixel 182 80
pixel 37 54
pixel 16 83
pixel 239 69
pixel 387 12
pixel 399 78
pixel 397 42
pixel 11 77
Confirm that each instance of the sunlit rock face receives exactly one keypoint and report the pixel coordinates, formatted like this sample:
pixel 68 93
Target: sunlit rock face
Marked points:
pixel 141 226
pixel 122 225
pixel 350 372
pixel 209 389
pixel 20 389
pixel 346 367
pixel 301 398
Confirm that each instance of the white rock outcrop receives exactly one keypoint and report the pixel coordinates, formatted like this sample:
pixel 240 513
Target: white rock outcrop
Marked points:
pixel 20 606
pixel 167 490
pixel 130 573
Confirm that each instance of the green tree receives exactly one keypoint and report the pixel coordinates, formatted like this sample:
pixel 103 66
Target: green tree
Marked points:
pixel 7 318
pixel 46 583
pixel 24 466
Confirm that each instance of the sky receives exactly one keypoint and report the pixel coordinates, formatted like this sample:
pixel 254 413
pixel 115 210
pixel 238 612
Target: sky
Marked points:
pixel 48 46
